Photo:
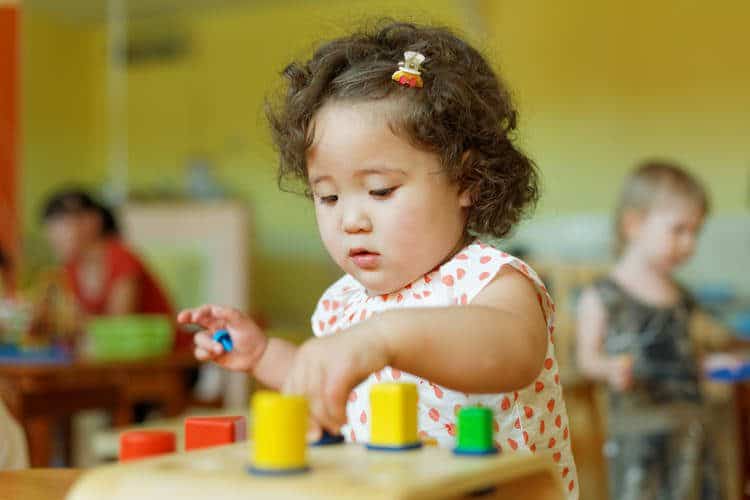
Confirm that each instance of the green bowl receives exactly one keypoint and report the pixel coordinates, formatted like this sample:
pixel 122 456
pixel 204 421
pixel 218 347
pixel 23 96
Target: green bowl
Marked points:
pixel 129 337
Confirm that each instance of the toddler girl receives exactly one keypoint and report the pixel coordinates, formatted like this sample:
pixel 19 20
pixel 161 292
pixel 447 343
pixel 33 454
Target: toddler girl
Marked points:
pixel 402 136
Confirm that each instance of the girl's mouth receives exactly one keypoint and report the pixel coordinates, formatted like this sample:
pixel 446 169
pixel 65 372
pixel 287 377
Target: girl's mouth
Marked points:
pixel 364 259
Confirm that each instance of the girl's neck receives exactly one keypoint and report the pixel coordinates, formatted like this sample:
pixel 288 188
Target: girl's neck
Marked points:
pixel 633 262
pixel 647 282
pixel 462 243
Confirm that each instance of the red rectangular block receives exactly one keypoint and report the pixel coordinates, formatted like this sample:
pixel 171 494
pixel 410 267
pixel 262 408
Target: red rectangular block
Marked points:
pixel 203 432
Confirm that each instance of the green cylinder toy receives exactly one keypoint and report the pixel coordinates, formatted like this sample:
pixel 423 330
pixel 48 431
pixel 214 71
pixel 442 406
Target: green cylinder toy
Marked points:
pixel 475 434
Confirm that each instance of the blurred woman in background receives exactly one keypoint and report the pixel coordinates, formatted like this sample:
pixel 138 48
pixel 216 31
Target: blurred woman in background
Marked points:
pixel 104 275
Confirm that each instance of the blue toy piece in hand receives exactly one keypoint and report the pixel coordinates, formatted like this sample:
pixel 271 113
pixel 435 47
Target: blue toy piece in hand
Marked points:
pixel 223 338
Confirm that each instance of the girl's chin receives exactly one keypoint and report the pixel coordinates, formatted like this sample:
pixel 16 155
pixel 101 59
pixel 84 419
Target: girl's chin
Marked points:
pixel 377 287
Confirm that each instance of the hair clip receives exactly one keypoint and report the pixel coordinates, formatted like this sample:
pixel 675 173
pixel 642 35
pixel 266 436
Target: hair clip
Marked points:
pixel 408 73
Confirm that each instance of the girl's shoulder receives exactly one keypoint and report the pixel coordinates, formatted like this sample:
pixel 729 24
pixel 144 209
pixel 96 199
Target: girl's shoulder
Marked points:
pixel 483 260
pixel 478 264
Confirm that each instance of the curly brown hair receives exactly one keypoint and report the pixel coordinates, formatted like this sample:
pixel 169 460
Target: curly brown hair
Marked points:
pixel 463 113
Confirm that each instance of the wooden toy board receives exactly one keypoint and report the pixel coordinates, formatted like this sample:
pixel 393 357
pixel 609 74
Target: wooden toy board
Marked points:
pixel 337 471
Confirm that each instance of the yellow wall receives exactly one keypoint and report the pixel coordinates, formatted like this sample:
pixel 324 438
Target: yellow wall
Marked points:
pixel 600 85
pixel 58 77
pixel 603 84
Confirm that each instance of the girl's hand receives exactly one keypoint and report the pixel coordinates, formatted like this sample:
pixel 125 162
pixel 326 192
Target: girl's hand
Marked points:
pixel 249 341
pixel 326 369
pixel 620 374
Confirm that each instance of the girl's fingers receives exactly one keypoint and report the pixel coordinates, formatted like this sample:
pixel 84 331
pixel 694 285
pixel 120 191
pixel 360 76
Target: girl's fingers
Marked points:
pixel 315 386
pixel 324 405
pixel 227 314
pixel 201 354
pixel 314 432
pixel 206 342
pixel 192 315
pixel 184 316
pixel 336 396
pixel 203 316
pixel 334 405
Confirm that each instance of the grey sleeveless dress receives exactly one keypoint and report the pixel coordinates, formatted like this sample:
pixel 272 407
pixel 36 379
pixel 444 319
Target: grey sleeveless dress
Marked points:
pixel 658 447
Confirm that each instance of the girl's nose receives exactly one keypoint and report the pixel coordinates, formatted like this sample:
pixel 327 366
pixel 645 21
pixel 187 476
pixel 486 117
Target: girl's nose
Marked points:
pixel 356 221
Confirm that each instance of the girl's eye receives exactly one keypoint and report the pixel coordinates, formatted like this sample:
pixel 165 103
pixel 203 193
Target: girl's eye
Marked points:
pixel 383 193
pixel 328 200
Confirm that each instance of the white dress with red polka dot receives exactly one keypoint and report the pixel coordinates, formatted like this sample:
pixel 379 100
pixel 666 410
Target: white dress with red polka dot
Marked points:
pixel 531 420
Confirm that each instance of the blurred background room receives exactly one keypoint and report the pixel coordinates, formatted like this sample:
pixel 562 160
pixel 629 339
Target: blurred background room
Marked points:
pixel 156 109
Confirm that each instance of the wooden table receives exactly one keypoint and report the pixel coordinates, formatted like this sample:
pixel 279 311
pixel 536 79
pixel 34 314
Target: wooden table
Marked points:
pixel 40 396
pixel 37 484
pixel 336 471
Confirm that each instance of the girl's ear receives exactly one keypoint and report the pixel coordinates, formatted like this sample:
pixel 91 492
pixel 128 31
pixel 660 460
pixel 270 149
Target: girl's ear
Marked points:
pixel 632 219
pixel 465 198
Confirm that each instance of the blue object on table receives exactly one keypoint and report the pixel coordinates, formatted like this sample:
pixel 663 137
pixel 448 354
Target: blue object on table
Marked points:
pixel 54 355
pixel 738 374
pixel 327 438
pixel 223 338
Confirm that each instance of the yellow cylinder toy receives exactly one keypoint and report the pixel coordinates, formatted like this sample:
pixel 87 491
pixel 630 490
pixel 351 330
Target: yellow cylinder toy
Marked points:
pixel 279 424
pixel 393 422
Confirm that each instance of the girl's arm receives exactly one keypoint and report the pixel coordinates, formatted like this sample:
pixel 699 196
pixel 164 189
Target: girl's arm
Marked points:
pixel 272 368
pixel 497 343
pixel 592 361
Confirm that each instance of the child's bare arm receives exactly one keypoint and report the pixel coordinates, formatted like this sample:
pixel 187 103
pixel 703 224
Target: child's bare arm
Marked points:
pixel 273 367
pixel 496 344
pixel 592 361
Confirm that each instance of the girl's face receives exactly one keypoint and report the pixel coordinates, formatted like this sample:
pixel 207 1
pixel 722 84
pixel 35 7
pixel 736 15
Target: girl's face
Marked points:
pixel 386 212
pixel 667 233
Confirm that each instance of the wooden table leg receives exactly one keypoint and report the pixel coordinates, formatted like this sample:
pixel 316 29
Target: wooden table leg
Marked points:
pixel 176 400
pixel 742 398
pixel 39 435
pixel 122 414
